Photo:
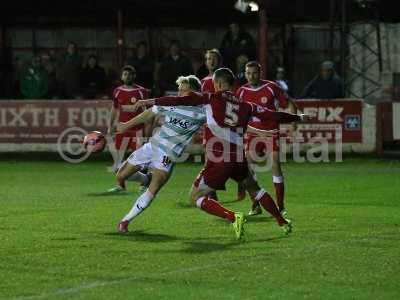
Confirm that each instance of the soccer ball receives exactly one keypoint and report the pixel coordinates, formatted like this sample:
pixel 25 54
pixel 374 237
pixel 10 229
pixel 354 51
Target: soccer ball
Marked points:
pixel 94 142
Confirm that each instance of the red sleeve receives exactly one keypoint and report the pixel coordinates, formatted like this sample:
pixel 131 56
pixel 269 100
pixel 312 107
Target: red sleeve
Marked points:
pixel 238 92
pixel 265 114
pixel 280 96
pixel 115 99
pixel 191 100
pixel 146 95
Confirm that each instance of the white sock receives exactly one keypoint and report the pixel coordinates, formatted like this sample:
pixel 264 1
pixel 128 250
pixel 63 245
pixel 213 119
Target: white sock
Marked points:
pixel 277 179
pixel 140 205
pixel 199 202
pixel 139 177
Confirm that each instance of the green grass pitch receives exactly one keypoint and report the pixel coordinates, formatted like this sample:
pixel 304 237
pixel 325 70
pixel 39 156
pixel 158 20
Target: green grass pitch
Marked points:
pixel 58 237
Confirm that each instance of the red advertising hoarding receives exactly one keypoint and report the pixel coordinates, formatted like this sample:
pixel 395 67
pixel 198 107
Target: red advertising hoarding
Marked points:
pixel 330 117
pixel 43 121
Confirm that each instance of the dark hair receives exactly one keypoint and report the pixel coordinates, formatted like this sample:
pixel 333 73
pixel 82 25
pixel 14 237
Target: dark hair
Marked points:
pixel 254 63
pixel 128 68
pixel 174 43
pixel 92 56
pixel 216 52
pixel 72 43
pixel 142 43
pixel 225 75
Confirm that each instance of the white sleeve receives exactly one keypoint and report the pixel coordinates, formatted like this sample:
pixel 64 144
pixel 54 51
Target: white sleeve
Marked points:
pixel 157 109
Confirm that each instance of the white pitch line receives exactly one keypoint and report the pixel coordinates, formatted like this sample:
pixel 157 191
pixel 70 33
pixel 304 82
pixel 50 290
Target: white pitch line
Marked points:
pixel 96 284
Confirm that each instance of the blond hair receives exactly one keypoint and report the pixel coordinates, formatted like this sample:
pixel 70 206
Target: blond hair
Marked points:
pixel 191 80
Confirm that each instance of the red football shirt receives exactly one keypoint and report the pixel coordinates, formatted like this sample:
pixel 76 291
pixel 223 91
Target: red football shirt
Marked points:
pixel 207 84
pixel 227 119
pixel 124 96
pixel 267 95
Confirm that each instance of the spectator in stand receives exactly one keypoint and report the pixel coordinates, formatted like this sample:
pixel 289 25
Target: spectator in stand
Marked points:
pixel 93 79
pixel 34 81
pixel 241 62
pixel 174 65
pixel 6 72
pixel 280 79
pixel 68 72
pixel 236 42
pixel 49 64
pixel 144 65
pixel 19 66
pixel 326 85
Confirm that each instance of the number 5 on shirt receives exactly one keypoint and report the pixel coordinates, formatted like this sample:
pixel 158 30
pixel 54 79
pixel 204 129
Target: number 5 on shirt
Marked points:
pixel 231 114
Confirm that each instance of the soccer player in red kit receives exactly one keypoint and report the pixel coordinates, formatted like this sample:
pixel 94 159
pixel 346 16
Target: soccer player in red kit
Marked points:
pixel 213 61
pixel 268 95
pixel 124 97
pixel 227 119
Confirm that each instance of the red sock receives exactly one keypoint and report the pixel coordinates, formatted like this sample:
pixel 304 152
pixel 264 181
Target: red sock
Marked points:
pixel 280 192
pixel 214 208
pixel 269 204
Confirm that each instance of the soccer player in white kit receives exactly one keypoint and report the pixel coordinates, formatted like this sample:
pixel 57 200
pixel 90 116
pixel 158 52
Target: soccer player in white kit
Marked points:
pixel 163 148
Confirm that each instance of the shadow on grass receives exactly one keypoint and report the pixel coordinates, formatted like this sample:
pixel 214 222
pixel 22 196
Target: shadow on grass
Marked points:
pixel 202 247
pixel 252 219
pixel 196 247
pixel 107 194
pixel 259 219
pixel 140 235
pixel 64 239
pixel 232 201
pixel 184 205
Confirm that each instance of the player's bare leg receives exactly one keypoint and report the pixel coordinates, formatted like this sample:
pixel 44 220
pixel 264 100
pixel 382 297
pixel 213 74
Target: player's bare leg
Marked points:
pixel 193 194
pixel 158 180
pixel 202 198
pixel 266 201
pixel 277 179
pixel 128 172
pixel 124 172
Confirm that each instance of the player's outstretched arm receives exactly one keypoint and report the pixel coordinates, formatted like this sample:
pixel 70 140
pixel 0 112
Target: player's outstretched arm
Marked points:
pixel 262 133
pixel 142 104
pixel 144 117
pixel 193 99
pixel 282 117
pixel 111 120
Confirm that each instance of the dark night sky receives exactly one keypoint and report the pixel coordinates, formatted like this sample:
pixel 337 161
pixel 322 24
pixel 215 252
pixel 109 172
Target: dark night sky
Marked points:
pixel 180 13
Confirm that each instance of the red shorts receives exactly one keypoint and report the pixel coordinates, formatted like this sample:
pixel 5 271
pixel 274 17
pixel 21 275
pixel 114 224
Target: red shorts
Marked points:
pixel 261 146
pixel 129 140
pixel 216 174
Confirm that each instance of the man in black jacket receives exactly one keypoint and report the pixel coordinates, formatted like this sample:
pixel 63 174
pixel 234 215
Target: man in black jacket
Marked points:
pixel 326 85
pixel 171 67
pixel 93 79
pixel 237 42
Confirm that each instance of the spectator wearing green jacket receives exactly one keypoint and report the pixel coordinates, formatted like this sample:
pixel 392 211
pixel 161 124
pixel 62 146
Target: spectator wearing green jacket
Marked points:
pixel 34 80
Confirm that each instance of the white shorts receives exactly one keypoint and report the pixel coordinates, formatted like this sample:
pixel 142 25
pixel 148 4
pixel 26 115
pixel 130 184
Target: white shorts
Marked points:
pixel 150 157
